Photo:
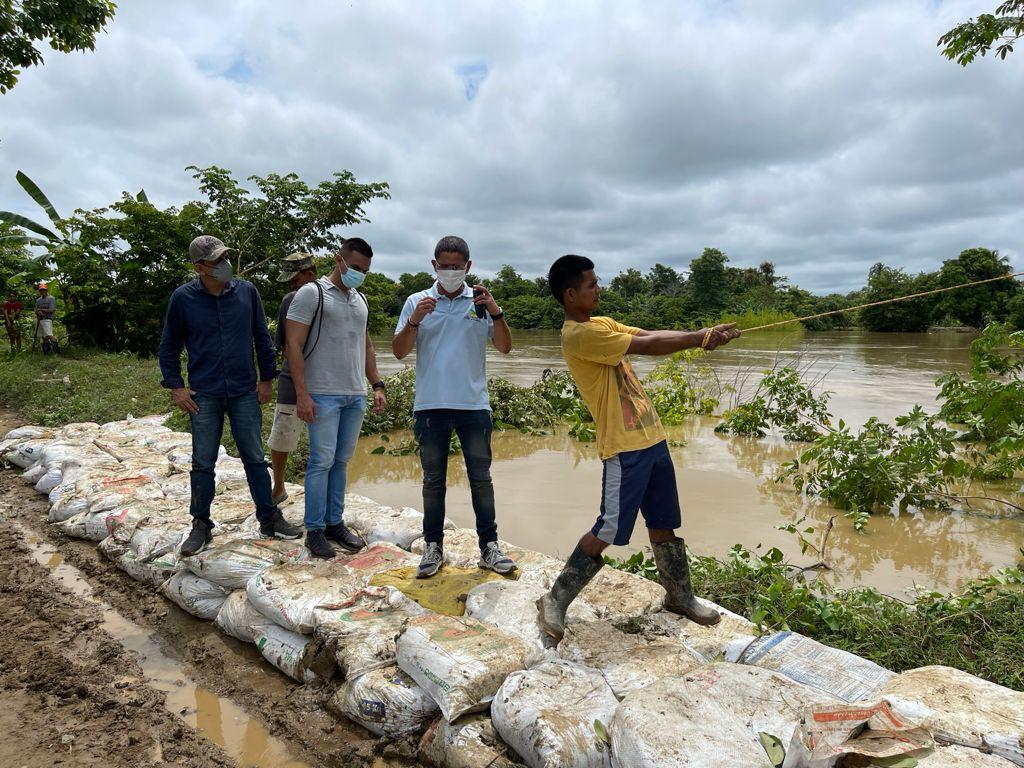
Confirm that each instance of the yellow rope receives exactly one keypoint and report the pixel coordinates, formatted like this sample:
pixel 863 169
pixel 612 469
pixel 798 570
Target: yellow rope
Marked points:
pixel 879 303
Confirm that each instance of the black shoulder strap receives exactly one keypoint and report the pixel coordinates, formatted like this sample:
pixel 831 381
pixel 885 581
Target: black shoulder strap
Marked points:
pixel 319 312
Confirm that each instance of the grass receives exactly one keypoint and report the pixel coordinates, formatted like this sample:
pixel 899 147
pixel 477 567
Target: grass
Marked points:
pixel 754 318
pixel 81 385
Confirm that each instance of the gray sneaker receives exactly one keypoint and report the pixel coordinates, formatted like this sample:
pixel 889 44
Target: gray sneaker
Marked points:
pixel 496 560
pixel 433 559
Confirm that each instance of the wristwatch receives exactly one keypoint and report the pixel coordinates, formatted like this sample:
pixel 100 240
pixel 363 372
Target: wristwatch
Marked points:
pixel 497 317
pixel 378 385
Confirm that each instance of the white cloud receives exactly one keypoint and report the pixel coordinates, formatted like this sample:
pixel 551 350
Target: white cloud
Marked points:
pixel 823 136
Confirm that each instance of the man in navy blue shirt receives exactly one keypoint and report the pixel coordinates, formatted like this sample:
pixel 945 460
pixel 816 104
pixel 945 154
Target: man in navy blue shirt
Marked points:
pixel 220 320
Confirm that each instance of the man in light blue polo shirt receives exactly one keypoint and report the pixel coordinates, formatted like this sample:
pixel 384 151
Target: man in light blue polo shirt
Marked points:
pixel 449 325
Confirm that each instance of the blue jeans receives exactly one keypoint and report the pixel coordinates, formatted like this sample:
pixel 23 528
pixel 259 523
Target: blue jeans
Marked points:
pixel 433 429
pixel 332 440
pixel 246 427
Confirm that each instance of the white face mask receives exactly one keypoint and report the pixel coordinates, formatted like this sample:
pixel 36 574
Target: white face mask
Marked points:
pixel 451 279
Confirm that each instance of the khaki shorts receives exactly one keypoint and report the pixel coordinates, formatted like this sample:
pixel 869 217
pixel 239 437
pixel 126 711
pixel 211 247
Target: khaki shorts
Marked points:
pixel 44 329
pixel 284 435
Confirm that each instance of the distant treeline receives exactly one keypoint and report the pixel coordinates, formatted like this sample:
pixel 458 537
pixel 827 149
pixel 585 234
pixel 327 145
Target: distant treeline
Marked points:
pixel 113 268
pixel 711 290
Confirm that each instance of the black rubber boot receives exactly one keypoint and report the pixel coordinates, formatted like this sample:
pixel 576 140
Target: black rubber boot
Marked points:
pixel 579 569
pixel 200 535
pixel 344 537
pixel 674 570
pixel 318 546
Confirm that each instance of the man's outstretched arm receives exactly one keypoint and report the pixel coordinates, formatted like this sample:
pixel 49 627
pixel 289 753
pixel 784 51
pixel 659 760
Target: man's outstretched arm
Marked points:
pixel 667 342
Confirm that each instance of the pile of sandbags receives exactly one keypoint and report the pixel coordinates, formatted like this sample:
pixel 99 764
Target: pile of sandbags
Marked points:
pixel 629 685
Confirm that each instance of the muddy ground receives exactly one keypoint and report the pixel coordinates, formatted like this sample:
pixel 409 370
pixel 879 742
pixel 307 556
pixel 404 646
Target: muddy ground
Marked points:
pixel 72 695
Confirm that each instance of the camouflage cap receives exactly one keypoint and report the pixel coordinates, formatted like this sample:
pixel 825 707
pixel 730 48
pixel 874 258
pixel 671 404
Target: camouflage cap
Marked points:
pixel 207 248
pixel 294 263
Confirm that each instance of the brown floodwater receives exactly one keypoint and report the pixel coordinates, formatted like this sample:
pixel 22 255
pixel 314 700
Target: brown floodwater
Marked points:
pixel 548 486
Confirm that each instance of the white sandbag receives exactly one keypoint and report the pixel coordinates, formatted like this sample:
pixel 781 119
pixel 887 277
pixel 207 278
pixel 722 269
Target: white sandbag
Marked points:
pixel 26 432
pixel 50 480
pixel 239 619
pixel 384 701
pixel 77 431
pixel 232 563
pixel 460 662
pixel 512 607
pixel 724 641
pixel 469 742
pixel 148 552
pixel 362 635
pixel 34 474
pixel 807 661
pixel 25 453
pixel 961 757
pixel 230 472
pixel 138 429
pixel 546 714
pixel 202 598
pixel 675 724
pixel 628 661
pixel 616 595
pixel 284 649
pixel 377 558
pixel 97 492
pixel 377 522
pixel 288 594
pixel 959 708
pixel 763 700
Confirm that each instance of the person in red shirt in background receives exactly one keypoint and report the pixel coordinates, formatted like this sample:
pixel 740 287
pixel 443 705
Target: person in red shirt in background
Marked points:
pixel 12 316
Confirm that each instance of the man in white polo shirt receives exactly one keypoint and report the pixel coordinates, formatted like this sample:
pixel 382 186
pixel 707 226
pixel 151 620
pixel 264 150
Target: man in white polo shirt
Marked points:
pixel 449 325
pixel 329 352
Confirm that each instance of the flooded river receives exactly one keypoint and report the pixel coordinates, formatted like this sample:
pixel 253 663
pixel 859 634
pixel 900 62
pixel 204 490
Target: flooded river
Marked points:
pixel 548 487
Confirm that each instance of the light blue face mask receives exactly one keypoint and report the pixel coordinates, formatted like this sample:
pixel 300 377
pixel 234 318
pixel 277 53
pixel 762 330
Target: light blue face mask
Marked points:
pixel 353 278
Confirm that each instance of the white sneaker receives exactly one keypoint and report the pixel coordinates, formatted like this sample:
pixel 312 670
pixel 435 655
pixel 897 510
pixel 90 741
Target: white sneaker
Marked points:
pixel 496 560
pixel 433 559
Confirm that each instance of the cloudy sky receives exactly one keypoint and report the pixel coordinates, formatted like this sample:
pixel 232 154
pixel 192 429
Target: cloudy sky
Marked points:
pixel 823 136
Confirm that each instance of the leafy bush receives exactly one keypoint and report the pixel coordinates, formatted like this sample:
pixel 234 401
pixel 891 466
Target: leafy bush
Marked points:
pixel 783 401
pixel 514 407
pixel 679 387
pixel 991 401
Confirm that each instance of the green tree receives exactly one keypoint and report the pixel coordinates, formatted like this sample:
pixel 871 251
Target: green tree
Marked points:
pixel 888 283
pixel 975 37
pixel 379 290
pixel 707 286
pixel 284 215
pixel 665 281
pixel 629 284
pixel 66 25
pixel 508 283
pixel 976 305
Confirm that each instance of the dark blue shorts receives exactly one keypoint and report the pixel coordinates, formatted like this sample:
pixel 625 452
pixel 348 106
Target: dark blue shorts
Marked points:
pixel 637 480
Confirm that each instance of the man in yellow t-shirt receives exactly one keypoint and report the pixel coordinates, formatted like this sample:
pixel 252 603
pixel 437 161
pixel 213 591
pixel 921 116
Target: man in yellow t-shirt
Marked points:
pixel 638 472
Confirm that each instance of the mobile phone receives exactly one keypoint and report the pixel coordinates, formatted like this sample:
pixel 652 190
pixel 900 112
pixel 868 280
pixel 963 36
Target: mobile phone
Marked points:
pixel 481 310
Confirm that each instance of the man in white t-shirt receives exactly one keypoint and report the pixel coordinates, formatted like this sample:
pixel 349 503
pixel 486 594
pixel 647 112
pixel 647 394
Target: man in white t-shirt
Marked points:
pixel 329 353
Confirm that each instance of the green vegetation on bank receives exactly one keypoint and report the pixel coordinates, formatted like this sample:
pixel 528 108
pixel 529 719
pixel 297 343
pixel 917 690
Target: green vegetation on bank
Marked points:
pixel 976 629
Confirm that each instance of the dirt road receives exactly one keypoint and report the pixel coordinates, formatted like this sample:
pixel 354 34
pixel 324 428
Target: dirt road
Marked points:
pixel 135 681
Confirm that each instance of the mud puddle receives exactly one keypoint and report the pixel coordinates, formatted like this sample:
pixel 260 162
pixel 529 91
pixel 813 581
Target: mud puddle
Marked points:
pixel 214 717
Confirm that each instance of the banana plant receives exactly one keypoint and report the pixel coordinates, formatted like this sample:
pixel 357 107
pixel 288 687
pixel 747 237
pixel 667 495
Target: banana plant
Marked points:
pixel 43 234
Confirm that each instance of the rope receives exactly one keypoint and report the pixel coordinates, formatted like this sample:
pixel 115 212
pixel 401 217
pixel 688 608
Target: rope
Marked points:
pixel 880 303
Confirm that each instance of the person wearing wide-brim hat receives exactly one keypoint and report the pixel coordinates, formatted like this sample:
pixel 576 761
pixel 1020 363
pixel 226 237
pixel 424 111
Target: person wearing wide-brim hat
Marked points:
pixel 297 269
pixel 219 320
